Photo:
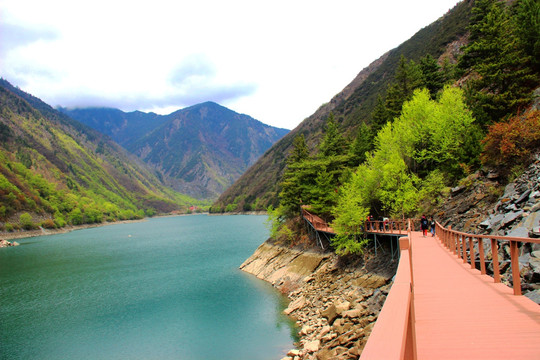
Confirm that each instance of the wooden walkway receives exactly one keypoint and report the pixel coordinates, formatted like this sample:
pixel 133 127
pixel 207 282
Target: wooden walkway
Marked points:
pixel 461 314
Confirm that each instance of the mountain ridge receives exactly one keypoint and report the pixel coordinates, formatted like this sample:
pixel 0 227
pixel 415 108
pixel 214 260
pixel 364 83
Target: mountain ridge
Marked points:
pixel 200 150
pixel 351 107
pixel 63 172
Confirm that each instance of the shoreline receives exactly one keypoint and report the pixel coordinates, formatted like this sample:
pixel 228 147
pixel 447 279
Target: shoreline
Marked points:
pixel 23 234
pixel 335 305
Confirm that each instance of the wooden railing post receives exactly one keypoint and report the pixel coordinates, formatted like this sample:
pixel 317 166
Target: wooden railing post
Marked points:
pixel 516 278
pixel 495 260
pixel 482 256
pixel 472 256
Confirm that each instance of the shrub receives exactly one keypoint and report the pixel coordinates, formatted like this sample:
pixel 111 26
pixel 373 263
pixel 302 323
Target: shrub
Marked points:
pixel 26 221
pixel 513 141
pixel 48 224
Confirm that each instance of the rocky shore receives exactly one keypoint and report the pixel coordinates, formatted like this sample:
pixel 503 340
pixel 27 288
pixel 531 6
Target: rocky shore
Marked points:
pixel 335 305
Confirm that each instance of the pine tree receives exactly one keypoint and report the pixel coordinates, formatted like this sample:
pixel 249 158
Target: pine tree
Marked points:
pixel 333 142
pixel 300 151
pixel 432 76
pixel 408 78
pixel 501 75
pixel 360 145
pixel 380 115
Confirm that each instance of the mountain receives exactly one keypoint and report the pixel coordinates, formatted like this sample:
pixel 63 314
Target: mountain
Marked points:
pixel 122 127
pixel 259 186
pixel 60 171
pixel 201 149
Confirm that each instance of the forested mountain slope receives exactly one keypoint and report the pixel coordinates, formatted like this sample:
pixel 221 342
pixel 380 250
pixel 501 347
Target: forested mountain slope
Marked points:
pixel 122 127
pixel 56 171
pixel 259 186
pixel 201 149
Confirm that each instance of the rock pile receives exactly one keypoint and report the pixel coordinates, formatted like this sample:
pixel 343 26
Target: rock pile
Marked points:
pixel 335 306
pixel 475 208
pixel 5 243
pixel 336 310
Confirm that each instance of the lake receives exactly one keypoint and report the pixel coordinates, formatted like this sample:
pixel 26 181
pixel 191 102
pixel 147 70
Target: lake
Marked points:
pixel 165 288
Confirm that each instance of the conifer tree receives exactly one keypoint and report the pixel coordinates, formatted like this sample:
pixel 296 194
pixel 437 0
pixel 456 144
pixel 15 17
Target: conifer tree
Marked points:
pixel 408 77
pixel 332 142
pixel 501 75
pixel 432 76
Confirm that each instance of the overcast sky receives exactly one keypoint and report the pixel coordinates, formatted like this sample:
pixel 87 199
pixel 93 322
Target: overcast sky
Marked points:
pixel 276 61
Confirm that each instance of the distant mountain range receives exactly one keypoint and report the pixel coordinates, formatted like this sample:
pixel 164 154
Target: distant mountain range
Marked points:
pixel 201 150
pixel 60 171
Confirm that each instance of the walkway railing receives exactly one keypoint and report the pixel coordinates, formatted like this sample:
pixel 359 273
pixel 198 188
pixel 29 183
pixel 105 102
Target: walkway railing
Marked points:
pixel 463 245
pixel 394 333
pixel 387 227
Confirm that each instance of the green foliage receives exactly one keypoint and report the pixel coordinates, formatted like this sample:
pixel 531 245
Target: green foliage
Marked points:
pixel 25 219
pixel 498 59
pixel 413 158
pixel 332 143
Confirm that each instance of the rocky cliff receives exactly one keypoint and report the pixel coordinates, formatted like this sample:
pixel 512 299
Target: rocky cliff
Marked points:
pixel 334 303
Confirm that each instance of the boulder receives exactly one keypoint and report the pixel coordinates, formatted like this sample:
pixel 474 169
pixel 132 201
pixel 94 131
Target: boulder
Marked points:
pixel 519 232
pixel 330 314
pixel 511 217
pixel 295 305
pixel 312 346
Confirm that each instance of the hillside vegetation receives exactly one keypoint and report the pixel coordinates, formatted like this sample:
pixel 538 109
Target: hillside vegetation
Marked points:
pixel 55 171
pixel 432 124
pixel 200 150
pixel 259 186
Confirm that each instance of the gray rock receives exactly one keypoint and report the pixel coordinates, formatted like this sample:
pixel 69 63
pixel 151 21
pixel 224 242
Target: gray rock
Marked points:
pixel 534 296
pixel 523 197
pixel 519 232
pixel 524 259
pixel 494 221
pixel 456 190
pixel 485 224
pixel 510 218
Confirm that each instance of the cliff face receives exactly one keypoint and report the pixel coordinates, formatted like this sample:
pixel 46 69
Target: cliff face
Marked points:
pixel 335 305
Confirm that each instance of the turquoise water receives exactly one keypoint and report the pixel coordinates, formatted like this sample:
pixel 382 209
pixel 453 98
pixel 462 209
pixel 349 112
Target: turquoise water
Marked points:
pixel 166 288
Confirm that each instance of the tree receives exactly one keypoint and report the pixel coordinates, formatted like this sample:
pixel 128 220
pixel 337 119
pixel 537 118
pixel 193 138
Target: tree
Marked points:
pixel 332 143
pixel 300 151
pixel 408 77
pixel 527 25
pixel 362 143
pixel 432 75
pixel 380 115
pixel 501 74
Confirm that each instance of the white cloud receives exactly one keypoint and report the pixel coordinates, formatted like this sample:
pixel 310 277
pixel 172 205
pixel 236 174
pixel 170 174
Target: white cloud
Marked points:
pixel 276 61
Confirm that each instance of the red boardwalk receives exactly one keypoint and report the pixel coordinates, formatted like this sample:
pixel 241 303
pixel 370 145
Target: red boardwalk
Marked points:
pixel 461 314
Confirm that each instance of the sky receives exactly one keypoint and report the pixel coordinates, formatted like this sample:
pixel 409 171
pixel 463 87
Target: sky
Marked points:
pixel 277 61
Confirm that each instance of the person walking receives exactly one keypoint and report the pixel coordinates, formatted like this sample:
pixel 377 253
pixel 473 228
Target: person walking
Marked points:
pixel 432 226
pixel 424 225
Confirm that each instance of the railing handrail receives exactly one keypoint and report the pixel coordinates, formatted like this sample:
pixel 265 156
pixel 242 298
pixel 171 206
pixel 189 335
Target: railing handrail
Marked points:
pixel 456 241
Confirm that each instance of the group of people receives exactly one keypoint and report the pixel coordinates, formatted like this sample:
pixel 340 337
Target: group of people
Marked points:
pixel 425 224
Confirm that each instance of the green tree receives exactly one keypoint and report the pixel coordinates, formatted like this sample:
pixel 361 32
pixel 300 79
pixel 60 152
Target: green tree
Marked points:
pixel 380 115
pixel 300 150
pixel 26 221
pixel 527 25
pixel 332 143
pixel 362 143
pixel 432 75
pixel 408 77
pixel 501 74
